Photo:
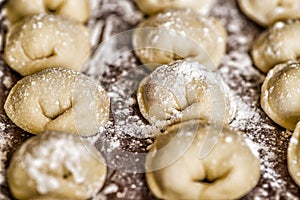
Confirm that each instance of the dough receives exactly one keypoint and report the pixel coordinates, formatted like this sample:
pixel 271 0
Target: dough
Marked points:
pixel 179 34
pixel 293 155
pixel 176 171
pixel 276 45
pixel 281 94
pixel 58 99
pixel 56 165
pixel 182 91
pixel 267 12
pixel 76 9
pixel 155 6
pixel 45 41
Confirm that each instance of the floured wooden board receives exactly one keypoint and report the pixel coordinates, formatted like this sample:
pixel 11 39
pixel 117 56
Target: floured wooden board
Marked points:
pixel 128 134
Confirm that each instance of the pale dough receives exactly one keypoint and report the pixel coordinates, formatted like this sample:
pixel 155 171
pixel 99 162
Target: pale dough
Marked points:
pixel 280 94
pixel 76 9
pixel 56 166
pixel 267 12
pixel 179 34
pixel 155 6
pixel 293 155
pixel 175 170
pixel 276 45
pixel 45 41
pixel 182 91
pixel 58 99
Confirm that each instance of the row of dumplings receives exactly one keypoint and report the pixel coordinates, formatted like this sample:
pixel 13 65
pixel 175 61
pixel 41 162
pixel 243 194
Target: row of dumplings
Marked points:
pixel 276 52
pixel 48 44
pixel 193 105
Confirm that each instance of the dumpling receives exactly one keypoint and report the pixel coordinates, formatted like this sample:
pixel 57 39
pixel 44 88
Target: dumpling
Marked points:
pixel 267 12
pixel 182 91
pixel 46 41
pixel 276 45
pixel 176 170
pixel 58 99
pixel 179 34
pixel 281 94
pixel 56 166
pixel 155 6
pixel 76 9
pixel 293 155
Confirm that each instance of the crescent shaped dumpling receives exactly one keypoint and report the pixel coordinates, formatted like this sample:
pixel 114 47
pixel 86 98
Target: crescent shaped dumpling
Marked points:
pixel 182 91
pixel 58 99
pixel 281 93
pixel 179 34
pixel 293 156
pixel 155 6
pixel 276 45
pixel 175 170
pixel 76 9
pixel 56 166
pixel 267 12
pixel 46 41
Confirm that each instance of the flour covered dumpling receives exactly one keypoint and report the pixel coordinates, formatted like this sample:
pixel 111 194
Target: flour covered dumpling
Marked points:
pixel 56 165
pixel 281 93
pixel 182 91
pixel 176 170
pixel 179 34
pixel 276 45
pixel 155 6
pixel 267 12
pixel 58 99
pixel 76 9
pixel 46 41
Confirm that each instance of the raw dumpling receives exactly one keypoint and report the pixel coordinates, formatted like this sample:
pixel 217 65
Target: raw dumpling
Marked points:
pixel 46 41
pixel 281 94
pixel 76 9
pixel 179 34
pixel 58 99
pixel 155 6
pixel 56 166
pixel 293 155
pixel 175 169
pixel 276 45
pixel 267 12
pixel 182 91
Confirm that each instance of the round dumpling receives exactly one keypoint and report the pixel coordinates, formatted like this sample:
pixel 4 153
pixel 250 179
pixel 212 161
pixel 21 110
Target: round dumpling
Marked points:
pixel 276 45
pixel 280 94
pixel 293 155
pixel 56 166
pixel 179 34
pixel 58 99
pixel 76 9
pixel 182 91
pixel 176 170
pixel 46 41
pixel 155 6
pixel 267 12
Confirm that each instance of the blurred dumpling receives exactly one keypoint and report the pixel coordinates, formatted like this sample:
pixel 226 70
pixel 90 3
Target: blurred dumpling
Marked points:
pixel 180 34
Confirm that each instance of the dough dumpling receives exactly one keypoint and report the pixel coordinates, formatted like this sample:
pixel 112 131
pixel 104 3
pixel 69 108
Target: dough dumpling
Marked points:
pixel 58 99
pixel 175 170
pixel 293 155
pixel 76 9
pixel 267 12
pixel 46 41
pixel 276 45
pixel 177 35
pixel 55 166
pixel 281 94
pixel 155 6
pixel 182 91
